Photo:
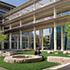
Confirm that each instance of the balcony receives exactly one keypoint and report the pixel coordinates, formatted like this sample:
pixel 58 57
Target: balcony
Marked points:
pixel 46 11
pixel 41 24
pixel 29 9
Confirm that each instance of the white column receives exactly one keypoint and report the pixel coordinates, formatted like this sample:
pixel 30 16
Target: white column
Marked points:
pixel 2 41
pixel 17 42
pixel 34 18
pixel 10 40
pixel 34 38
pixel 55 34
pixel 20 39
pixel 3 31
pixel 28 41
pixel 20 35
pixel 62 40
pixel 20 23
pixel 34 21
pixel 41 38
pixel 54 0
pixel 55 39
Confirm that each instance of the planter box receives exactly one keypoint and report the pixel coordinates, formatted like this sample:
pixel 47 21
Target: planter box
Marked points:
pixel 57 59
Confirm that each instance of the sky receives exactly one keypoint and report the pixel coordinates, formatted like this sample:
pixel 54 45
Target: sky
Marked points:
pixel 14 2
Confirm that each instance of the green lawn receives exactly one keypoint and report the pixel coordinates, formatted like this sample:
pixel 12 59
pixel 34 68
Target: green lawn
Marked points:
pixel 27 66
pixel 53 54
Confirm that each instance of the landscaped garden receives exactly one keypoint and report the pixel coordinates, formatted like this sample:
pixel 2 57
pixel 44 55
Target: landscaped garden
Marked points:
pixel 34 65
pixel 27 66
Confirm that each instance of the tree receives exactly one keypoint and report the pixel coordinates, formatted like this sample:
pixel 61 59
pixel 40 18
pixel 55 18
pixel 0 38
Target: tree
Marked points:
pixel 3 37
pixel 46 42
pixel 67 29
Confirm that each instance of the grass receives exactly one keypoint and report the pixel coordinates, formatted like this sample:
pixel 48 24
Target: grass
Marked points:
pixel 32 66
pixel 53 54
pixel 45 54
pixel 27 66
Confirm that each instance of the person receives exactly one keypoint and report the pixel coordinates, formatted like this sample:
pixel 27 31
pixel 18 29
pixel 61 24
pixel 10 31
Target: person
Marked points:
pixel 37 51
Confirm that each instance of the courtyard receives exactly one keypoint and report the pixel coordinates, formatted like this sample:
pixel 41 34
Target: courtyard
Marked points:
pixel 33 65
pixel 35 35
pixel 28 66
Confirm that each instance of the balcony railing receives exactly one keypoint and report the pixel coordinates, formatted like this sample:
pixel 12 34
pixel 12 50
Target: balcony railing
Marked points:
pixel 29 9
pixel 37 22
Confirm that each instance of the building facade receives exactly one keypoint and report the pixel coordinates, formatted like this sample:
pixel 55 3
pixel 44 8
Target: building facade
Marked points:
pixel 4 8
pixel 25 25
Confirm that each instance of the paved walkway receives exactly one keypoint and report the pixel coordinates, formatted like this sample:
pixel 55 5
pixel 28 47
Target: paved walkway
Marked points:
pixel 2 68
pixel 65 68
pixel 60 67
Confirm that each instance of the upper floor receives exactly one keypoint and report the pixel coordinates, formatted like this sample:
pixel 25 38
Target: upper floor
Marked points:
pixel 28 7
pixel 40 9
pixel 4 8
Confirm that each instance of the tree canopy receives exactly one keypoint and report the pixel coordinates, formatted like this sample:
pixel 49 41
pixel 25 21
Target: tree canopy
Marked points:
pixel 67 29
pixel 2 37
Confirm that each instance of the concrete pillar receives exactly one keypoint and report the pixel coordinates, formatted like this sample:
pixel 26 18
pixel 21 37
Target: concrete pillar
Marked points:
pixel 42 41
pixel 34 38
pixel 55 33
pixel 20 35
pixel 34 21
pixel 10 39
pixel 29 41
pixel 62 40
pixel 20 23
pixel 17 42
pixel 34 18
pixel 41 38
pixel 2 41
pixel 2 44
pixel 20 39
pixel 55 39
pixel 54 0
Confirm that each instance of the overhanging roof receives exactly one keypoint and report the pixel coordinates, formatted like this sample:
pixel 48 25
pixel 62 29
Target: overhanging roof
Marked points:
pixel 28 3
pixel 6 5
pixel 44 24
pixel 61 6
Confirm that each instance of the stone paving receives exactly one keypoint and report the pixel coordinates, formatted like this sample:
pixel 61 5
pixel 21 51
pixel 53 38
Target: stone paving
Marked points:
pixel 65 68
pixel 60 67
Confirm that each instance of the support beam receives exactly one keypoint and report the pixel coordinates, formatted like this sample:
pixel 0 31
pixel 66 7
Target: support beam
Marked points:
pixel 28 41
pixel 55 33
pixel 10 39
pixel 42 41
pixel 20 35
pixel 34 38
pixel 55 39
pixel 20 39
pixel 17 42
pixel 62 40
pixel 54 0
pixel 34 21
pixel 10 42
pixel 41 38
pixel 2 44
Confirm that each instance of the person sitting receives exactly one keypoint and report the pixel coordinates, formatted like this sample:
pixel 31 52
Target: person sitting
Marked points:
pixel 37 51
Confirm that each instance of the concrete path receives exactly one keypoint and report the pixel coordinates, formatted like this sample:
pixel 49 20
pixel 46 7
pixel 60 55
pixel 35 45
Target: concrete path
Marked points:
pixel 60 67
pixel 2 68
pixel 65 68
